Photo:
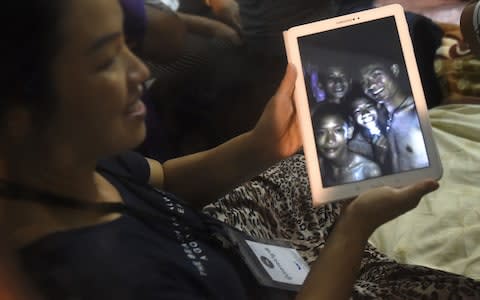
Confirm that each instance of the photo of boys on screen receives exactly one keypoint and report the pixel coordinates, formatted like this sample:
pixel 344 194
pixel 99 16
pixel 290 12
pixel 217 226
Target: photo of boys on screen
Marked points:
pixel 363 113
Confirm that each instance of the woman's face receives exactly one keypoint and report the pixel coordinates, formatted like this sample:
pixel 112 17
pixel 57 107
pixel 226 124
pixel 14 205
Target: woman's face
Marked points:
pixel 364 112
pixel 97 82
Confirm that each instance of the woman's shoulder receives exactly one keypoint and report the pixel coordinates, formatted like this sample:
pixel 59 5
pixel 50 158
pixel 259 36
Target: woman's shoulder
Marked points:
pixel 129 164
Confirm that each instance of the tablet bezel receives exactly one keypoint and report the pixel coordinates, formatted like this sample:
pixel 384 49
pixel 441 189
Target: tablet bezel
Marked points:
pixel 320 194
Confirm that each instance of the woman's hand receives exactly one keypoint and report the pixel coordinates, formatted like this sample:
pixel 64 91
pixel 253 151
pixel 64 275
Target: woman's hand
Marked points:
pixel 277 131
pixel 380 205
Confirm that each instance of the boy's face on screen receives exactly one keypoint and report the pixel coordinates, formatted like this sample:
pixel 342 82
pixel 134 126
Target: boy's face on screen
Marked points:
pixel 364 112
pixel 337 83
pixel 332 135
pixel 377 83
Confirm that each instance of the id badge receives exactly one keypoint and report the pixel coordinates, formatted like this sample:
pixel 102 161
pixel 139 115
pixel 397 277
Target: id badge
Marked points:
pixel 274 264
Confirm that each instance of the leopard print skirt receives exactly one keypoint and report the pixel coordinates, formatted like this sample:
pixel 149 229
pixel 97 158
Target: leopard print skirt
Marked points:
pixel 277 205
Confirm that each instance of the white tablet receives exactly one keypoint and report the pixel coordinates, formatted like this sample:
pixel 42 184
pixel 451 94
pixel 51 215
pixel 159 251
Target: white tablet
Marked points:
pixel 361 105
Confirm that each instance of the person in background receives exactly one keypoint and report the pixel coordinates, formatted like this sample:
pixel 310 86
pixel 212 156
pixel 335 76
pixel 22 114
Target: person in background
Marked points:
pixel 470 26
pixel 175 46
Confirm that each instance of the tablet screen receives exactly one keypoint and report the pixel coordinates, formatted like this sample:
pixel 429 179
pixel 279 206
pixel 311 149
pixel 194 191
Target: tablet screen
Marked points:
pixel 364 117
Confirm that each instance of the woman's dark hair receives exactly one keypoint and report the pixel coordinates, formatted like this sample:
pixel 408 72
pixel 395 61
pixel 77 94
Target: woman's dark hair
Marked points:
pixel 32 36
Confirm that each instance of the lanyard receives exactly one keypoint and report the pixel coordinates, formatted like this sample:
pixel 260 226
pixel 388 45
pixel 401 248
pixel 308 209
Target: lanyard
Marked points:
pixel 213 229
pixel 268 261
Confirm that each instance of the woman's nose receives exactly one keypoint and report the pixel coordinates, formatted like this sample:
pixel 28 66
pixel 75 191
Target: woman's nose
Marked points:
pixel 138 71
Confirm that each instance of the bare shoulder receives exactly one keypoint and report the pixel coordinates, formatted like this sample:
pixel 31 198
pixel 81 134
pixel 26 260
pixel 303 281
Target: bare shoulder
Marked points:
pixel 369 167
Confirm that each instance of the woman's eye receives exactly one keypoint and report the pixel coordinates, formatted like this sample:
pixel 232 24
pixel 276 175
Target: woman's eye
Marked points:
pixel 106 65
pixel 339 130
pixel 113 57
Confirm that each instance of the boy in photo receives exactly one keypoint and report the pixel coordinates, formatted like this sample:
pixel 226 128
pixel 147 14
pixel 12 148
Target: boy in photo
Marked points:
pixel 333 130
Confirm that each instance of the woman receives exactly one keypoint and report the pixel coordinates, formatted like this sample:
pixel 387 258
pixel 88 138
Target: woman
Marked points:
pixel 87 217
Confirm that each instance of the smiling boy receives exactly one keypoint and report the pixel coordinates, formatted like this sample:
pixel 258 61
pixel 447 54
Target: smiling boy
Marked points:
pixel 332 132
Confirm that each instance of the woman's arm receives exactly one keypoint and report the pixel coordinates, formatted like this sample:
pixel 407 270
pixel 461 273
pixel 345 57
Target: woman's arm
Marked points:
pixel 334 273
pixel 203 177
